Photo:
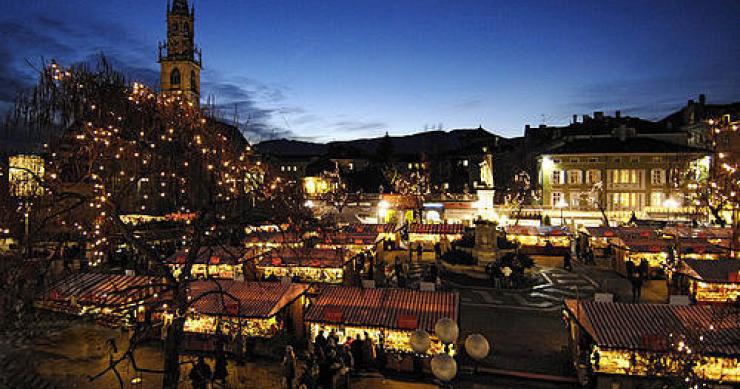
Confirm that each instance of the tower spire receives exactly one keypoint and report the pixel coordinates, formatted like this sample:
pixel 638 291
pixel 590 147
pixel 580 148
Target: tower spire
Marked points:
pixel 180 6
pixel 179 58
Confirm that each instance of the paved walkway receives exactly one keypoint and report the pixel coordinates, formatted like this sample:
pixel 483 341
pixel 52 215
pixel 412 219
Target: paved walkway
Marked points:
pixel 557 284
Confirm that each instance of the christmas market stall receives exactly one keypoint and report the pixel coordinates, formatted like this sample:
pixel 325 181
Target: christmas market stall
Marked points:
pixel 270 238
pixel 211 262
pixel 716 235
pixel 112 299
pixel 306 264
pixel 429 234
pixel 231 309
pixel 352 242
pixel 708 282
pixel 388 316
pixel 634 345
pixel 540 240
pixel 698 248
pixel 656 251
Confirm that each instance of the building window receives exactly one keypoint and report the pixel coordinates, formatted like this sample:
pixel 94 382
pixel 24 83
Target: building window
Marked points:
pixel 635 159
pixel 282 168
pixel 465 162
pixel 593 160
pixel 657 177
pixel 574 177
pixel 593 176
pixel 411 165
pixel 617 160
pixel 557 197
pixel 556 160
pixel 625 200
pixel 557 177
pixel 193 81
pixel 574 160
pixel 175 77
pixel 656 159
pixel 351 166
pixel 625 176
pixel 657 199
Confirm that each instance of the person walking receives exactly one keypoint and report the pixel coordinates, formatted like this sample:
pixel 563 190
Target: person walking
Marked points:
pixel 289 366
pixel 200 374
pixel 419 251
pixel 220 370
pixel 356 350
pixel 567 262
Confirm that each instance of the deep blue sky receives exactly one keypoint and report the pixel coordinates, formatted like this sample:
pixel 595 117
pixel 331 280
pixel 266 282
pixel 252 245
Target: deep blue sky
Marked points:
pixel 326 70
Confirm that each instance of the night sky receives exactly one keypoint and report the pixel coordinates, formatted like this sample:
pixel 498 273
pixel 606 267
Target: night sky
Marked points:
pixel 324 70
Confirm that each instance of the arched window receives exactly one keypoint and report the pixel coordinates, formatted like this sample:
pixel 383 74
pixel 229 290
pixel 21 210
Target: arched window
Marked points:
pixel 193 81
pixel 174 27
pixel 175 77
pixel 186 28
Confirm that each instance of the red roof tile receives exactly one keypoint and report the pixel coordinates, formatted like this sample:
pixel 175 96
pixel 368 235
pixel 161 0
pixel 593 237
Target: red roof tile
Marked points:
pixel 627 326
pixel 244 299
pixel 312 257
pixel 382 307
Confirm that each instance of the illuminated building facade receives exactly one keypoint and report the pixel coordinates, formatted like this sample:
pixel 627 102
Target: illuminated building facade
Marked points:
pixel 619 173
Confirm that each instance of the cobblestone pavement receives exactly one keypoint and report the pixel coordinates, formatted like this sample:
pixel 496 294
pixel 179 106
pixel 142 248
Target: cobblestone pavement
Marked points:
pixel 557 284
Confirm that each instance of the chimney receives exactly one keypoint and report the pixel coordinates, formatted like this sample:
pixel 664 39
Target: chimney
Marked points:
pixel 575 119
pixel 526 127
pixel 598 115
pixel 702 99
pixel 618 114
pixel 543 125
pixel 691 102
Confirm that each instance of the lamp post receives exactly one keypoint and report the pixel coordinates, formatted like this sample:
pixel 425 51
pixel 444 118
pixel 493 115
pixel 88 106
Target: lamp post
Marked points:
pixel 562 204
pixel 672 204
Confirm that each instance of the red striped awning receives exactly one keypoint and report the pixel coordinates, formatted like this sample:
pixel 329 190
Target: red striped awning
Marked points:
pixel 387 308
pixel 637 326
pixel 437 229
pixel 243 299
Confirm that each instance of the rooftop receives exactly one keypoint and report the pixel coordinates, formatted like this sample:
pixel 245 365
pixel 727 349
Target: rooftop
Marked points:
pixel 614 145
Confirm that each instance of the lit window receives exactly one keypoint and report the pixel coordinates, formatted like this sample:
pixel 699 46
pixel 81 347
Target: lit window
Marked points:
pixel 574 160
pixel 282 168
pixel 593 160
pixel 557 197
pixel 351 166
pixel 557 177
pixel 593 176
pixel 574 177
pixel 657 177
pixel 465 162
pixel 657 199
pixel 411 165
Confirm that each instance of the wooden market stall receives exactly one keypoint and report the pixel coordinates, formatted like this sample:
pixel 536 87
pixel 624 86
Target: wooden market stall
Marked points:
pixel 698 248
pixel 254 309
pixel 716 235
pixel 270 239
pixel 708 282
pixel 625 345
pixel 389 316
pixel 211 262
pixel 540 240
pixel 112 299
pixel 306 264
pixel 655 251
pixel 352 242
pixel 600 238
pixel 429 234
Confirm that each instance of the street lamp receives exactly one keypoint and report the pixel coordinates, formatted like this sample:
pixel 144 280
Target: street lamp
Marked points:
pixel 561 204
pixel 444 368
pixel 477 347
pixel 672 204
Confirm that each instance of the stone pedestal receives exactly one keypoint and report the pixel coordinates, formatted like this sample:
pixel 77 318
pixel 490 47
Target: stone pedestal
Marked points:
pixel 486 242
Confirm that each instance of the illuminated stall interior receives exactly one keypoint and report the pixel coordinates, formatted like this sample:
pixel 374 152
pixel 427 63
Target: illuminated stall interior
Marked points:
pixel 653 250
pixel 536 238
pixel 114 300
pixel 429 234
pixel 602 237
pixel 257 309
pixel 394 313
pixel 25 175
pixel 715 281
pixel 353 242
pixel 615 342
pixel 267 240
pixel 210 262
pixel 306 264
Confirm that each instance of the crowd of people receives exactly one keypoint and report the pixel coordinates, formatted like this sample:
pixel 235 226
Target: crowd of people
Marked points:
pixel 329 363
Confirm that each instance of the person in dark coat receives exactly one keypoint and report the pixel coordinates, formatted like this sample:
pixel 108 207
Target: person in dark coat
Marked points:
pixel 289 366
pixel 221 369
pixel 567 264
pixel 419 251
pixel 356 350
pixel 200 374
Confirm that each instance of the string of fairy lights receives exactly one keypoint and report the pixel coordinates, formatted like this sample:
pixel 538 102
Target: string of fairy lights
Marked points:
pixel 173 156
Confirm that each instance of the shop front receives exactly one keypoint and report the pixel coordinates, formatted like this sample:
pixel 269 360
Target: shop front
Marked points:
pixel 388 316
pixel 634 345
pixel 257 312
pixel 211 262
pixel 305 264
pixel 540 240
pixel 708 282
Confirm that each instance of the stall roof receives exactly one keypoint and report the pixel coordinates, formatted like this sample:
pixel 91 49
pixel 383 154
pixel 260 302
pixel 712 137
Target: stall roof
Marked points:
pixel 647 245
pixel 448 229
pixel 649 326
pixel 388 308
pixel 701 232
pixel 537 231
pixel 103 289
pixel 623 232
pixel 305 256
pixel 244 299
pixel 719 270
pixel 343 239
pixel 701 246
pixel 211 254
pixel 360 228
pixel 277 237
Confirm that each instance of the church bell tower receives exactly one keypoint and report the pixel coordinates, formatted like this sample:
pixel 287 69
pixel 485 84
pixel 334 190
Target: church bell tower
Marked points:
pixel 179 58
